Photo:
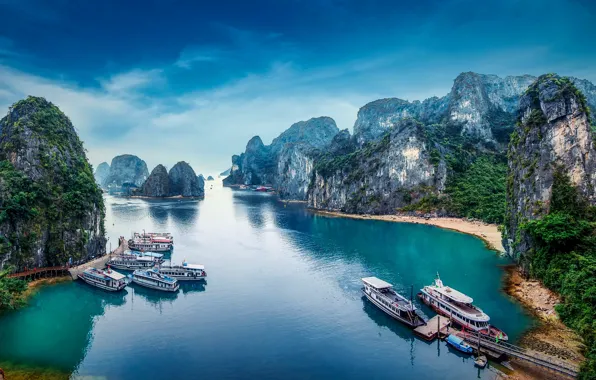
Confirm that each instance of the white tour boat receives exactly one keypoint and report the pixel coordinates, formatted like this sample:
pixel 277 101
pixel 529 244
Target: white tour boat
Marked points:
pixel 381 293
pixel 104 279
pixel 151 241
pixel 132 262
pixel 458 306
pixel 184 272
pixel 153 279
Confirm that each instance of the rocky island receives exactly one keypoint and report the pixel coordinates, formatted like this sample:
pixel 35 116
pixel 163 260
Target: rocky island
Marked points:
pixel 126 169
pixel 181 181
pixel 52 208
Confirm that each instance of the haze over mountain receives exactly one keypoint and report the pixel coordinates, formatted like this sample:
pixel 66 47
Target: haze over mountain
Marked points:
pixel 214 75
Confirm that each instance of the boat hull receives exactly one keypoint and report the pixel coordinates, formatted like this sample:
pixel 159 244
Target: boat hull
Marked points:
pixel 185 278
pixel 102 286
pixel 425 298
pixel 158 249
pixel 129 267
pixel 151 286
pixel 391 313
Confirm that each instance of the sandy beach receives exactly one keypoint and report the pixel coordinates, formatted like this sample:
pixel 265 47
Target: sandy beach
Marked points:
pixel 489 233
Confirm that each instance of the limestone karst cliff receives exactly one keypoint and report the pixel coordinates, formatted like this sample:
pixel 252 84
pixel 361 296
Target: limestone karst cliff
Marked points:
pixel 126 169
pixel 51 208
pixel 183 181
pixel 381 176
pixel 553 137
pixel 157 184
pixel 101 173
pixel 286 163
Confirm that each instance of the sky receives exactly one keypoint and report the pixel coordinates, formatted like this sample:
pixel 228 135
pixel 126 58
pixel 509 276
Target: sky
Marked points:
pixel 193 81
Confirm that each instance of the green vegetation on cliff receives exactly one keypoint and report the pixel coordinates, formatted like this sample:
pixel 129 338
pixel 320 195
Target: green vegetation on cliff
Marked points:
pixel 11 290
pixel 51 203
pixel 564 258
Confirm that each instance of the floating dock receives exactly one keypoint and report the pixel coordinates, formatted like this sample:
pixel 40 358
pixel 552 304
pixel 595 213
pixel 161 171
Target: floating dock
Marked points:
pixel 436 327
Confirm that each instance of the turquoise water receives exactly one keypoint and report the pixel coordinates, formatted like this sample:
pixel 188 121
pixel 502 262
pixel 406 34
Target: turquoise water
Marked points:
pixel 282 299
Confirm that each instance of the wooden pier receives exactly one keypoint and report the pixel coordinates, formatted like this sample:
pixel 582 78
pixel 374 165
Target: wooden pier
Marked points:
pixel 500 348
pixel 436 327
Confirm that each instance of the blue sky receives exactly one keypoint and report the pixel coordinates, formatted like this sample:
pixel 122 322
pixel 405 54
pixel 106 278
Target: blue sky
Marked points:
pixel 194 80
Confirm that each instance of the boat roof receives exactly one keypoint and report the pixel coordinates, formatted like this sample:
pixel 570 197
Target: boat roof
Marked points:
pixel 455 295
pixel 376 283
pixel 455 339
pixel 115 275
pixel 145 258
pixel 193 266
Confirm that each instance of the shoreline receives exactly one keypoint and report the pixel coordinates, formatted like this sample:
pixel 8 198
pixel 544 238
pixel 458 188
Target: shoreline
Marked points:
pixel 550 336
pixel 173 197
pixel 488 233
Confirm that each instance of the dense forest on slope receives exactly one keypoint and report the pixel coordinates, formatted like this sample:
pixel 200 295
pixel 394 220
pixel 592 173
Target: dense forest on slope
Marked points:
pixel 51 209
pixel 564 258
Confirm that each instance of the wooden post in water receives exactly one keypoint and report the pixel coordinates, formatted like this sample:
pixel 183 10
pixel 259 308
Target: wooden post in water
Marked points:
pixel 450 320
pixel 438 326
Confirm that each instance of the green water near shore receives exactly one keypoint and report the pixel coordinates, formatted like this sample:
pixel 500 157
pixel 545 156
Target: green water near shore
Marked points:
pixel 282 299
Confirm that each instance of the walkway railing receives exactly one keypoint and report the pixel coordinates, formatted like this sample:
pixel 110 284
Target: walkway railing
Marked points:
pixel 546 361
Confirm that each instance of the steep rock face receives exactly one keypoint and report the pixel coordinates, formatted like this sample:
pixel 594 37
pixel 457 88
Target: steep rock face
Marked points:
pixel 375 118
pixel 286 163
pixel 201 180
pixel 484 106
pixel 380 177
pixel 158 183
pixel 101 173
pixel 553 135
pixel 51 208
pixel 127 168
pixel 236 176
pixel 183 181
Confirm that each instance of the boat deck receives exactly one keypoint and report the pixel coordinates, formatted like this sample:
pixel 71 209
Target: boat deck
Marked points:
pixel 435 327
pixel 397 299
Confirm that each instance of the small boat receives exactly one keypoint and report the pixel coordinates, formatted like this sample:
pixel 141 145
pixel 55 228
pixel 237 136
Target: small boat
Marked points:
pixel 104 279
pixel 132 262
pixel 459 344
pixel 184 272
pixel 381 294
pixel 458 306
pixel 153 279
pixel 480 361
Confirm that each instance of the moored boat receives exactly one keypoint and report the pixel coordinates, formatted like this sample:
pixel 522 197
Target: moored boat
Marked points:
pixel 459 307
pixel 459 344
pixel 153 279
pixel 383 295
pixel 132 262
pixel 184 272
pixel 149 244
pixel 104 279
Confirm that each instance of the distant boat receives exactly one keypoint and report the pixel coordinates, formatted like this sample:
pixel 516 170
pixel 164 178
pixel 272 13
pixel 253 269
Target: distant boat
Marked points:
pixel 151 241
pixel 381 293
pixel 104 279
pixel 459 344
pixel 263 188
pixel 154 280
pixel 458 306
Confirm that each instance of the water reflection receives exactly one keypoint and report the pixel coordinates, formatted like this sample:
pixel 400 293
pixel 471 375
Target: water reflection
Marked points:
pixel 184 213
pixel 187 287
pixel 63 319
pixel 153 297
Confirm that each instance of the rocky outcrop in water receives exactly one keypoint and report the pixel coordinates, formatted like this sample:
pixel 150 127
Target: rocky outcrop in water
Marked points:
pixel 210 178
pixel 158 183
pixel 51 208
pixel 553 137
pixel 127 168
pixel 287 163
pixel 184 181
pixel 101 173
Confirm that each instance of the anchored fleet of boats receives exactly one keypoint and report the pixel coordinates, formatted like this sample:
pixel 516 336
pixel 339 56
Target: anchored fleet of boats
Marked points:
pixel 151 271
pixel 149 268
